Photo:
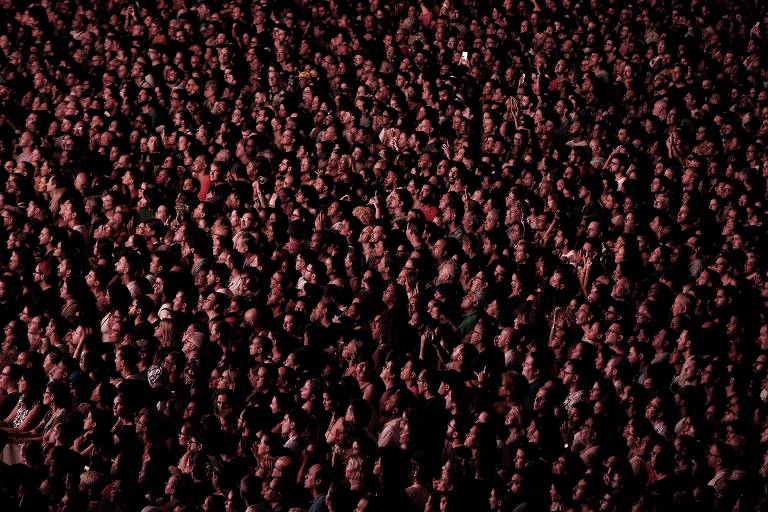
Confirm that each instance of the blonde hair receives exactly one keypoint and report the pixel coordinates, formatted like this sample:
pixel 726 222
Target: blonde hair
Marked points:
pixel 354 347
pixel 516 413
pixel 364 214
pixel 166 333
pixel 355 469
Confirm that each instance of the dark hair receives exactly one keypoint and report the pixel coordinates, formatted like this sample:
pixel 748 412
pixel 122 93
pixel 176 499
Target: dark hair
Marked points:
pixel 62 397
pixel 35 380
pixel 119 297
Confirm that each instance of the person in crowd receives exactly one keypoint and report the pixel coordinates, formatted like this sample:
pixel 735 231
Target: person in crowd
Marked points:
pixel 362 256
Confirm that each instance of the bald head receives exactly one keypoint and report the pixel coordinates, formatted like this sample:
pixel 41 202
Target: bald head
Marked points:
pixel 251 315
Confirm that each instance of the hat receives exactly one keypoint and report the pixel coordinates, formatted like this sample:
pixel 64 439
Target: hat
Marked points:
pixel 165 312
pixel 157 377
pixel 197 338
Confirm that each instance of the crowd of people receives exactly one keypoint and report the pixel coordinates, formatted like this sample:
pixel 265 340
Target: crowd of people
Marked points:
pixel 419 255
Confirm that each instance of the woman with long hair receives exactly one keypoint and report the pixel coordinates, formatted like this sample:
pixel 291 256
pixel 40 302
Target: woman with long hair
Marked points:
pixel 15 341
pixel 356 472
pixel 96 422
pixel 119 300
pixel 27 413
pixel 265 452
pixel 335 404
pixel 167 334
pixel 57 399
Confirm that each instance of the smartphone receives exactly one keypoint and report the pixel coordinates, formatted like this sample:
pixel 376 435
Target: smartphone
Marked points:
pixel 465 57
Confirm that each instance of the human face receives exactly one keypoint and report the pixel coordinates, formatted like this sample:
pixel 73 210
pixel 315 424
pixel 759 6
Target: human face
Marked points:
pixel 528 369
